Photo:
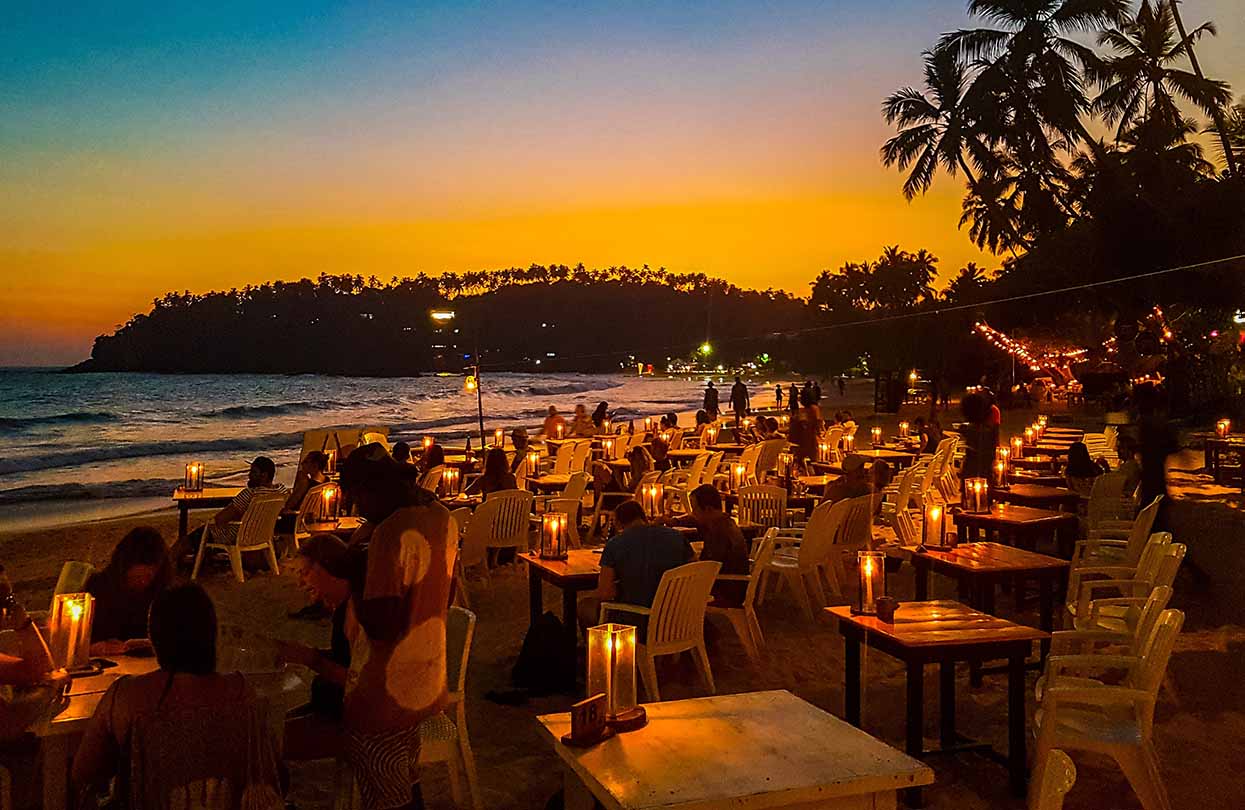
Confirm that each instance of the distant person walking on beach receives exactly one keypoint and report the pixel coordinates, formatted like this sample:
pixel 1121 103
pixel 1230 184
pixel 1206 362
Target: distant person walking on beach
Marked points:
pixel 778 396
pixel 739 399
pixel 711 402
pixel 842 385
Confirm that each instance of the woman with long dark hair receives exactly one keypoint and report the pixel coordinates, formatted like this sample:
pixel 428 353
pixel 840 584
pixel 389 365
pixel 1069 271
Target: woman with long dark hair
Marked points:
pixel 496 475
pixel 138 570
pixel 1081 470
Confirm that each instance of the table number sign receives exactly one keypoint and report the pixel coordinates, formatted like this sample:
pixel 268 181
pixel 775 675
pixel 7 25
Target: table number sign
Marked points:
pixel 588 726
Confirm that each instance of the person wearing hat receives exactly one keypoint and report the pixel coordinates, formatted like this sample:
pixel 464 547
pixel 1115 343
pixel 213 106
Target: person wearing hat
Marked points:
pixel 329 573
pixel 260 478
pixel 854 483
pixel 518 438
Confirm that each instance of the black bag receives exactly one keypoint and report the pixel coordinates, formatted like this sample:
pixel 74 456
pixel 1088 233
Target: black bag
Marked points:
pixel 546 664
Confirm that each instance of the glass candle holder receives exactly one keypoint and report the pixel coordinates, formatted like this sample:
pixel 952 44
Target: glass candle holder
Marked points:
pixel 825 453
pixel 1030 436
pixel 194 477
pixel 711 435
pixel 651 498
pixel 559 430
pixel 1223 427
pixel 451 478
pixel 69 630
pixel 976 495
pixel 553 536
pixel 1000 475
pixel 783 466
pixel 533 464
pixel 607 426
pixel 1018 447
pixel 648 424
pixel 499 438
pixel 611 668
pixel 784 421
pixel 872 581
pixel 428 443
pixel 875 434
pixel 932 526
pixel 738 476
pixel 607 449
pixel 904 429
pixel 849 443
pixel 329 507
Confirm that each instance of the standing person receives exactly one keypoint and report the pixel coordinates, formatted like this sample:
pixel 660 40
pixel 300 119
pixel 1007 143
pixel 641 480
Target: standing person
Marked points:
pixel 138 570
pixel 980 437
pixel 793 400
pixel 842 386
pixel 816 393
pixel 778 396
pixel 396 628
pixel 711 402
pixel 739 399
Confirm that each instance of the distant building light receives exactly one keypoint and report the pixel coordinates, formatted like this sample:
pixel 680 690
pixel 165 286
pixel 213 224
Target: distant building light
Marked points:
pixel 544 326
pixel 443 315
pixel 538 362
pixel 551 354
pixel 706 348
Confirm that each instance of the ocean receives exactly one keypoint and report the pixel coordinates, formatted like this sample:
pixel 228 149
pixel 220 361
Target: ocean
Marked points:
pixel 86 446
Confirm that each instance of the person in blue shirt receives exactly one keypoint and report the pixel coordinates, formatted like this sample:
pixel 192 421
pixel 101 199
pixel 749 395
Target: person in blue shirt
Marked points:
pixel 632 564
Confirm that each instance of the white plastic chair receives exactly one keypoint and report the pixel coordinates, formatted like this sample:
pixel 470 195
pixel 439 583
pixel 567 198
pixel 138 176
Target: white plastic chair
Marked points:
pixel 763 505
pixel 305 510
pixel 432 478
pixel 254 533
pixel 767 457
pixel 744 618
pixel 444 738
pixel 580 455
pixel 460 517
pixel 1060 776
pixel 1106 547
pixel 73 577
pixel 502 521
pixel 813 558
pixel 1158 566
pixel 1116 720
pixel 676 621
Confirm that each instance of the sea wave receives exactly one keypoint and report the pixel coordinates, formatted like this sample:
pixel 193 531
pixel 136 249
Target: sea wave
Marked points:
pixel 111 452
pixel 296 408
pixel 17 424
pixel 133 488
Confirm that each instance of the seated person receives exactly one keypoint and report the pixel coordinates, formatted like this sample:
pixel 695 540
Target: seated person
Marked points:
pixel 1081 470
pixel 600 414
pixel 434 456
pixel 329 573
pixel 581 425
pixel 671 420
pixel 702 421
pixel 401 452
pixel 1130 464
pixel 138 570
pixel 496 476
pixel 632 564
pixel 224 524
pixel 659 450
pixel 552 420
pixel 723 542
pixel 187 688
pixel 25 665
pixel 855 482
pixel 607 479
pixel 518 437
pixel 311 473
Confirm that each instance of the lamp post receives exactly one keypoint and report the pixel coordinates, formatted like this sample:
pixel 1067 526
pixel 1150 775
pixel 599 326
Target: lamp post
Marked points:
pixel 442 318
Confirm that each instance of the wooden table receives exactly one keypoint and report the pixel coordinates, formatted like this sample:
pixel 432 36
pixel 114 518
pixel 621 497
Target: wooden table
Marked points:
pixel 550 482
pixel 745 751
pixel 942 633
pixel 1033 477
pixel 684 455
pixel 978 568
pixel 207 498
pixel 342 527
pixel 1053 448
pixel 730 448
pixel 1038 496
pixel 580 571
pixel 899 458
pixel 1020 526
pixel 1225 459
pixel 1034 462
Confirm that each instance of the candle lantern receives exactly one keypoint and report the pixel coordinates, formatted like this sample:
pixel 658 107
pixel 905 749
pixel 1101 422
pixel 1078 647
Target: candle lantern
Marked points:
pixel 931 529
pixel 651 498
pixel 1030 437
pixel 450 479
pixel 553 536
pixel 499 438
pixel 330 504
pixel 738 476
pixel 607 449
pixel 1042 420
pixel 872 581
pixel 330 462
pixel 784 420
pixel 648 424
pixel 875 435
pixel 904 430
pixel 611 672
pixel 1223 427
pixel 428 443
pixel 559 430
pixel 783 465
pixel 711 435
pixel 665 437
pixel 849 443
pixel 607 426
pixel 1018 447
pixel 533 464
pixel 825 453
pixel 69 629
pixel 976 495
pixel 1002 454
pixel 1000 475
pixel 747 423
pixel 194 477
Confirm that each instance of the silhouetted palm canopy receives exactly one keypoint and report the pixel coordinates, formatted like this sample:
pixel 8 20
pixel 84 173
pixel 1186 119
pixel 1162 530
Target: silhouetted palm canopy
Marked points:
pixel 1142 81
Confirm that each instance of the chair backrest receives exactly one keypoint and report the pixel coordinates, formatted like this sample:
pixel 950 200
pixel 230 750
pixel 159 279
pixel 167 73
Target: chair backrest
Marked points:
pixel 856 531
pixel 460 628
pixel 710 468
pixel 823 531
pixel 305 509
pixel 576 487
pixel 764 553
pixel 1150 561
pixel 1169 565
pixel 696 470
pixel 833 436
pixel 767 456
pixel 1107 500
pixel 903 497
pixel 928 476
pixel 1140 533
pixel 260 519
pixel 763 505
pixel 1154 657
pixel 432 478
pixel 580 456
pixel 562 461
pixel 678 614
pixel 569 507
pixel 73 577
pixel 1058 777
pixel 1147 616
pixel 502 520
pixel 676 439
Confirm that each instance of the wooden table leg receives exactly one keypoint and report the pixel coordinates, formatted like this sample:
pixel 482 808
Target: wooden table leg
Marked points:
pixel 851 678
pixel 946 703
pixel 535 596
pixel 983 600
pixel 1016 766
pixel 914 743
pixel 55 751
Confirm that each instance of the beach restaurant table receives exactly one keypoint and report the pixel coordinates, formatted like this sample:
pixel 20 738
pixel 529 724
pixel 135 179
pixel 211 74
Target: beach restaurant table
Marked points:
pixel 1035 477
pixel 750 750
pixel 207 498
pixel 729 448
pixel 898 458
pixel 578 572
pixel 943 633
pixel 684 455
pixel 1019 526
pixel 1038 496
pixel 1225 459
pixel 1036 462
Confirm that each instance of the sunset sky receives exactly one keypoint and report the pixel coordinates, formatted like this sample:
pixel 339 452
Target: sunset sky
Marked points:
pixel 161 146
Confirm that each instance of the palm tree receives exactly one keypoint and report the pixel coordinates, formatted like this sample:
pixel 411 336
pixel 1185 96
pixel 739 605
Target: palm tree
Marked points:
pixel 968 281
pixel 1224 142
pixel 1141 81
pixel 1230 129
pixel 934 130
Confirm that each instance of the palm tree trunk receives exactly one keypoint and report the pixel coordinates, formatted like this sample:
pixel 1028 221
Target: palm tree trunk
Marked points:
pixel 1217 113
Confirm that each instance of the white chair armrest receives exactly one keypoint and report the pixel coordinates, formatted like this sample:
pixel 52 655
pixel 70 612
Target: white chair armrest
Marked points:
pixel 622 606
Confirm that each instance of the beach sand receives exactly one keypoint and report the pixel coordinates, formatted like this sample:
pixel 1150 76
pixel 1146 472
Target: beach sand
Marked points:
pixel 1200 720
